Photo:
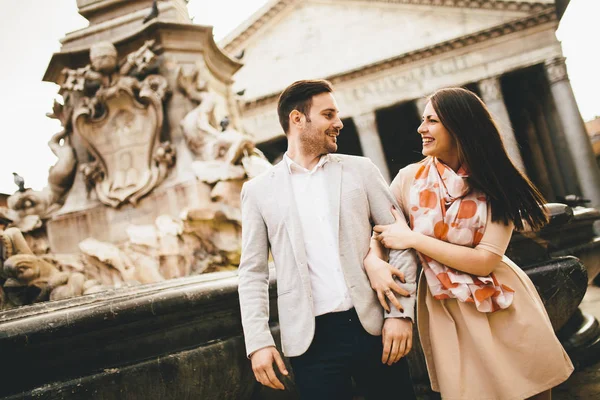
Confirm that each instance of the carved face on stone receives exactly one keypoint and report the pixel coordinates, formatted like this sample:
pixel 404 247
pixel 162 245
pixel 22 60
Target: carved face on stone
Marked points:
pixel 29 202
pixel 103 57
pixel 23 268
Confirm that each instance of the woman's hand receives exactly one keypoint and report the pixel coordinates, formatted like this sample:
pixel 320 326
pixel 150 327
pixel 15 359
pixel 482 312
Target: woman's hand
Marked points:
pixel 395 236
pixel 381 275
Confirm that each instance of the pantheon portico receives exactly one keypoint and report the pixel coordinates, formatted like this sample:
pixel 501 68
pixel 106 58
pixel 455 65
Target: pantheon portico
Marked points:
pixel 385 56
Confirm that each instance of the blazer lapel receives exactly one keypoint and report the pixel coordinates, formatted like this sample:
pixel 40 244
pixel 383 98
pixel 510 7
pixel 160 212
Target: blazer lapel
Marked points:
pixel 333 179
pixel 283 191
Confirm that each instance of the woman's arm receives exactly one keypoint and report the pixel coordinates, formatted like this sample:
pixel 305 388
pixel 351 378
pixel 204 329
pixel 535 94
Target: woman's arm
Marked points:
pixel 477 261
pixel 466 259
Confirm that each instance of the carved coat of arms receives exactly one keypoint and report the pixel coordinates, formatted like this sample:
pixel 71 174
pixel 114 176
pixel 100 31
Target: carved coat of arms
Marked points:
pixel 120 125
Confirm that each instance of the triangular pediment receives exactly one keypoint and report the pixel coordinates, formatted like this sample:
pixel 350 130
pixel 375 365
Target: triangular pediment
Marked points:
pixel 320 38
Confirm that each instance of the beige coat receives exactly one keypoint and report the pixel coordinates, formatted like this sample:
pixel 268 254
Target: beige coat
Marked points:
pixel 358 197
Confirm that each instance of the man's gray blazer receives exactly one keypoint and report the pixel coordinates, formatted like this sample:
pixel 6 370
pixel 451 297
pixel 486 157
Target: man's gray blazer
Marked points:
pixel 358 197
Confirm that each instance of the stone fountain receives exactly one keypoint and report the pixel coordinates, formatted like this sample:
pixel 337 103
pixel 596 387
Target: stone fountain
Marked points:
pixel 151 158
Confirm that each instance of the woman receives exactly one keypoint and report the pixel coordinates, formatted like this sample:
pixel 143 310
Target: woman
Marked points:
pixel 483 328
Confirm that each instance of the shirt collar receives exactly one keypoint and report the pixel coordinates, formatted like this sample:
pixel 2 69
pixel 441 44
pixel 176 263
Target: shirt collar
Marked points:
pixel 294 168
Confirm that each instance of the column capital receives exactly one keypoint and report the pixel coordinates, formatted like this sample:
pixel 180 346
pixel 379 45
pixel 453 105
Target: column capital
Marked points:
pixel 370 142
pixel 365 121
pixel 490 89
pixel 421 102
pixel 556 69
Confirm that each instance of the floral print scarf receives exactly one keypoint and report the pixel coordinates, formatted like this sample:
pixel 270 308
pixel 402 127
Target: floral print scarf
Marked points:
pixel 443 206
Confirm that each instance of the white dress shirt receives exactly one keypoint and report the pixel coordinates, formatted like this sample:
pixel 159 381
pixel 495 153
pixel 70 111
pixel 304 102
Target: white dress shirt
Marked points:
pixel 330 293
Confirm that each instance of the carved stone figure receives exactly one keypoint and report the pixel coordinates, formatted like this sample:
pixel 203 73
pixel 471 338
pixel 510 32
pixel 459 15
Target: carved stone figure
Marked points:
pixel 74 286
pixel 25 278
pixel 61 174
pixel 33 206
pixel 12 242
pixel 104 70
pixel 60 178
pixel 30 279
pixel 205 240
pixel 30 203
pixel 219 153
pixel 103 63
pixel 199 124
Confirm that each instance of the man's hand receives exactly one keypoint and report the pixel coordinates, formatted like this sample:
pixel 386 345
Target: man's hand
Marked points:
pixel 397 339
pixel 262 365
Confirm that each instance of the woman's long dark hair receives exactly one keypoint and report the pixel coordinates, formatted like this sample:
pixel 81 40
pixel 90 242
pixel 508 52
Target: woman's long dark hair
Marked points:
pixel 511 194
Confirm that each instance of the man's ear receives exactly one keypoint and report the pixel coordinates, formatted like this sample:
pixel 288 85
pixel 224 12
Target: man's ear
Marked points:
pixel 297 118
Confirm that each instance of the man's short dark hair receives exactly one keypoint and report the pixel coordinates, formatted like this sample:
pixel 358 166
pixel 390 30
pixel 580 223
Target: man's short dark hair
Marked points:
pixel 298 96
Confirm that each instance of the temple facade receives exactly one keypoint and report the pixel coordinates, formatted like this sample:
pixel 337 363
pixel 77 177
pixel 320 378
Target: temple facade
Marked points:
pixel 385 57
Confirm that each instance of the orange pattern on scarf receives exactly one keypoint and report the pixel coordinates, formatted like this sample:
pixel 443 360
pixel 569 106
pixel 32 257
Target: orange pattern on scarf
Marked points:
pixel 443 206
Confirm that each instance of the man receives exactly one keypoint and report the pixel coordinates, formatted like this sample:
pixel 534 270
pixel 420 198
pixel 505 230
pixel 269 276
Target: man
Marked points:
pixel 314 211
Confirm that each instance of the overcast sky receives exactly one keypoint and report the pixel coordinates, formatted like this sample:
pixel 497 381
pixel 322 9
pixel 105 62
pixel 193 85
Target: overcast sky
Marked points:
pixel 31 29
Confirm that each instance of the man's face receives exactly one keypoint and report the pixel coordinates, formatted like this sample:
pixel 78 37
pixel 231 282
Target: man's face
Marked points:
pixel 322 126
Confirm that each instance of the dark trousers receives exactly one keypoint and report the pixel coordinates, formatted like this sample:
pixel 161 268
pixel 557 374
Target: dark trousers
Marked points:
pixel 341 350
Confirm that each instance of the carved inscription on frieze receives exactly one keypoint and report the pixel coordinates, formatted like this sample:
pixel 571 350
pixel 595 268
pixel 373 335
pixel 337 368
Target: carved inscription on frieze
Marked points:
pixel 391 84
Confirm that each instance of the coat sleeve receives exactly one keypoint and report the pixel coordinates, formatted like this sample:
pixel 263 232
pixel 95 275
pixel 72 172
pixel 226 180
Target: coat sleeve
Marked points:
pixel 253 286
pixel 380 203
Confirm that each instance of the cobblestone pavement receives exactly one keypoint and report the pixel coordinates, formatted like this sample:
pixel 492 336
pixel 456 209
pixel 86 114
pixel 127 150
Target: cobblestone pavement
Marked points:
pixel 583 384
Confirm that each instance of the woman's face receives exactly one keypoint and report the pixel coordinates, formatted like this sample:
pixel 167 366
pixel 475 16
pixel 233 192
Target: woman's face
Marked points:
pixel 437 141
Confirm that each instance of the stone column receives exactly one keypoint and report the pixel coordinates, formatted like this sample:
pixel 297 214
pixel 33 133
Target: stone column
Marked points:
pixel 491 93
pixel 578 142
pixel 420 103
pixel 366 126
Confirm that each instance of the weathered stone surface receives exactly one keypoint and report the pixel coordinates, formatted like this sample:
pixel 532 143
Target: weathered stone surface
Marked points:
pixel 585 382
pixel 214 171
pixel 180 335
pixel 118 18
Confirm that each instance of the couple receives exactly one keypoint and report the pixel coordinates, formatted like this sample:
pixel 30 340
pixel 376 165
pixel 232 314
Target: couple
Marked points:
pixel 483 327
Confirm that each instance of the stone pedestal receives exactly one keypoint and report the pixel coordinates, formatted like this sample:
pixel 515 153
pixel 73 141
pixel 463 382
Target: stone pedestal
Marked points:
pixel 114 19
pixel 491 92
pixel 578 141
pixel 67 230
pixel 366 125
pixel 181 48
